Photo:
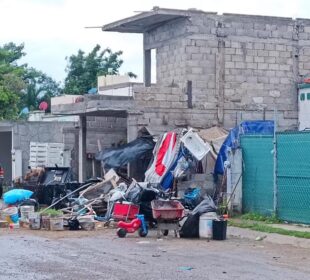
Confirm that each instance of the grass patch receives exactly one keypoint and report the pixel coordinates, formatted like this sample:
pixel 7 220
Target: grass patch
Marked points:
pixel 261 218
pixel 262 227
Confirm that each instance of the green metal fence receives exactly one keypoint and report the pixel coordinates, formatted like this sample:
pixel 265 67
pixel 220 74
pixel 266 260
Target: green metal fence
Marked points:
pixel 257 178
pixel 293 176
pixel 292 169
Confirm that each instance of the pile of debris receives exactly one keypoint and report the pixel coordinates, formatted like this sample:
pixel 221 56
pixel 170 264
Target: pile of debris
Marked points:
pixel 155 202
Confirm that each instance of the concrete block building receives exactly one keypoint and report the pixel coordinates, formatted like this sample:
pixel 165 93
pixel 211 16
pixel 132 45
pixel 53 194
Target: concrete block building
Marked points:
pixel 211 70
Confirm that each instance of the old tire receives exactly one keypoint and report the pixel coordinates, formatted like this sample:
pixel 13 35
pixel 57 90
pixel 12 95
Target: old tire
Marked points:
pixel 121 233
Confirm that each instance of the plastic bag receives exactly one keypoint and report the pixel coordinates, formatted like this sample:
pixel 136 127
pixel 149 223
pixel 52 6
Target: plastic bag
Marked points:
pixel 205 206
pixel 192 197
pixel 16 195
pixel 190 228
pixel 134 193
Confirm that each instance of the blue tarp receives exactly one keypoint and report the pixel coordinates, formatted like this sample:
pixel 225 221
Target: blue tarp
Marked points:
pixel 232 140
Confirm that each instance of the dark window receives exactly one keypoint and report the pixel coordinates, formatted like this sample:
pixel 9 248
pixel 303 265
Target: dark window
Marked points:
pixel 302 97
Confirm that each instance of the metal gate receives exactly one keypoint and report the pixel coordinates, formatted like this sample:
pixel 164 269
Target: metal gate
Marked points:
pixel 257 178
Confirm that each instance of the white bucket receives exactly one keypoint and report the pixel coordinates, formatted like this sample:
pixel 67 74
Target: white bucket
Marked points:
pixel 205 224
pixel 34 220
pixel 57 223
pixel 25 211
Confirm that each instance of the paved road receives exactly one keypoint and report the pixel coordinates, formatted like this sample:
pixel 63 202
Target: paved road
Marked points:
pixel 100 255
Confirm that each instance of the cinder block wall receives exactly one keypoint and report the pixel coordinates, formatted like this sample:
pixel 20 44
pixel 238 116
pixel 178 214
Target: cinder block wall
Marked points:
pixel 240 66
pixel 109 130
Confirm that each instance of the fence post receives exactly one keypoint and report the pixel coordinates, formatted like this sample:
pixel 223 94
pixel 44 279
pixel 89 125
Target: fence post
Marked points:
pixel 275 186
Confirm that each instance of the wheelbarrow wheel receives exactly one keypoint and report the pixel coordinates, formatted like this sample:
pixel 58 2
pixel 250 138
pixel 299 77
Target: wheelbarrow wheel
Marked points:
pixel 142 233
pixel 121 232
pixel 165 232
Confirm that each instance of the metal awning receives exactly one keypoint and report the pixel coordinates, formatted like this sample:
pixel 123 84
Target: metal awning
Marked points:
pixel 146 20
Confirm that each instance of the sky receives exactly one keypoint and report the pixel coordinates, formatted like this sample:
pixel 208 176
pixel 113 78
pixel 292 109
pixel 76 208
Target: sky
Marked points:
pixel 54 29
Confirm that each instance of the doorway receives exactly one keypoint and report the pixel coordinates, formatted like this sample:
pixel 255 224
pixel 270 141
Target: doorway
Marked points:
pixel 6 155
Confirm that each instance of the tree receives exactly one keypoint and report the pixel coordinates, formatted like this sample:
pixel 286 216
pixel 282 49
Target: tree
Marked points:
pixel 83 69
pixel 11 82
pixel 39 87
pixel 21 86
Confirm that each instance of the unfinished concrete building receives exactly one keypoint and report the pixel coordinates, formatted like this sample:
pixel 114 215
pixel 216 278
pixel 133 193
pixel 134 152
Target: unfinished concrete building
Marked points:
pixel 211 70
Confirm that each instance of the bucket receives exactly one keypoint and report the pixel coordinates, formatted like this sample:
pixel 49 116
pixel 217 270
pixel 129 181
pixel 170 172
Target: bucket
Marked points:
pixel 57 223
pixel 219 229
pixel 45 222
pixel 25 211
pixel 34 220
pixel 205 224
pixel 11 215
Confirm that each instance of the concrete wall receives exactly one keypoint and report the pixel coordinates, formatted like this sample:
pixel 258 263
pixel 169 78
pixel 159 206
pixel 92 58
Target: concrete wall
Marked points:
pixel 110 131
pixel 26 132
pixel 237 63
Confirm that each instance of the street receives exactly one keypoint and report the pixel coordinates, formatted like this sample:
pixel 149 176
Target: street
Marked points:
pixel 100 254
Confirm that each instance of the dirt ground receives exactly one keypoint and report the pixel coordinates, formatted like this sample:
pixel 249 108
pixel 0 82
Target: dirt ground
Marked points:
pixel 26 254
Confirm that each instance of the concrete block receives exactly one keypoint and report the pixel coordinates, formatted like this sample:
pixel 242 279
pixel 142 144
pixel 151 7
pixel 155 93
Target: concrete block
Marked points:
pixel 273 66
pixel 259 46
pixel 262 66
pixel 273 53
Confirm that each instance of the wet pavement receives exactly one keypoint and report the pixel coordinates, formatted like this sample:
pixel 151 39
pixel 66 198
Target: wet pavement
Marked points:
pixel 26 254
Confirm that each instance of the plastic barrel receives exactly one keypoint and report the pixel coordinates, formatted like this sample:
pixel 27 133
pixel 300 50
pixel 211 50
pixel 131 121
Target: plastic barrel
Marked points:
pixel 219 229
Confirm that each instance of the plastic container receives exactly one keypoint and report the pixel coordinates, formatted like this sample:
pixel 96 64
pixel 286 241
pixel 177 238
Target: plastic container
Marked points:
pixel 206 225
pixel 45 222
pixel 167 210
pixel 34 220
pixel 125 211
pixel 25 211
pixel 219 229
pixel 197 147
pixel 11 214
pixel 57 223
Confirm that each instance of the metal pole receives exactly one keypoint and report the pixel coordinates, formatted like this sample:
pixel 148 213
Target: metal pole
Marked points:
pixel 275 187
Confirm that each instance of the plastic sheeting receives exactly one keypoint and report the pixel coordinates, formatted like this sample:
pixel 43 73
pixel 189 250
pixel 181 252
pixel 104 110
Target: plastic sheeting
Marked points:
pixel 232 140
pixel 118 157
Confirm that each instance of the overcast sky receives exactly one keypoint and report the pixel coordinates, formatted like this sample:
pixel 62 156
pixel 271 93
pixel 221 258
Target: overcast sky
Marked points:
pixel 54 29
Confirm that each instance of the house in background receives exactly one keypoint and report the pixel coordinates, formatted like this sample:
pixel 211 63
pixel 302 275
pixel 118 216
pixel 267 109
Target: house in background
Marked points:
pixel 211 70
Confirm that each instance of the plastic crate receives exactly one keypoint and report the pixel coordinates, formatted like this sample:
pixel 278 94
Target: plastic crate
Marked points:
pixel 167 210
pixel 125 211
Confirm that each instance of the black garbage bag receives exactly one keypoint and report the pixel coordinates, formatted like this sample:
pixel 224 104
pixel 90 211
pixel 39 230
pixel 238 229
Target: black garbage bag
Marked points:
pixel 146 210
pixel 190 228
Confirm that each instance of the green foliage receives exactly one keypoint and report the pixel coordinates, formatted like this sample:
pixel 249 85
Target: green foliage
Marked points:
pixel 11 82
pixel 21 86
pixel 51 212
pixel 261 218
pixel 40 87
pixel 83 69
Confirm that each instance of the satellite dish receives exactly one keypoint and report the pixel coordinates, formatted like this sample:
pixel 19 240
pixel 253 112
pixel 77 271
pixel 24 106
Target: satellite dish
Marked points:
pixel 43 106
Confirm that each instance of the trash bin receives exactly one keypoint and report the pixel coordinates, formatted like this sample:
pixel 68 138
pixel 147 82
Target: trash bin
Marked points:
pixel 219 229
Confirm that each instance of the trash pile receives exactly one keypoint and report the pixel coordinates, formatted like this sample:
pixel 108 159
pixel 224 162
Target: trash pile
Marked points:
pixel 122 202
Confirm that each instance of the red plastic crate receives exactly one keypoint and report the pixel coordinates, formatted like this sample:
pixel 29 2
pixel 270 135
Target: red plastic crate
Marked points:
pixel 125 211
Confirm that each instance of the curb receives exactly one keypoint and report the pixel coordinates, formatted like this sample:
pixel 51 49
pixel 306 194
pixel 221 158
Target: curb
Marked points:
pixel 269 237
